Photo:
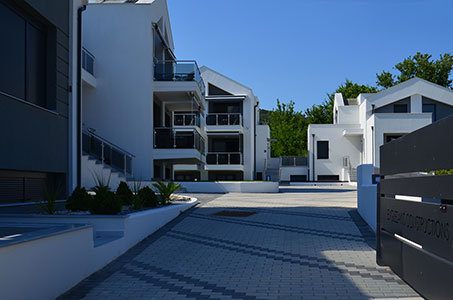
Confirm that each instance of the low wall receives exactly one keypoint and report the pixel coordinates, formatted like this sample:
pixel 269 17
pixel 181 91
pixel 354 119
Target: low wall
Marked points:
pixel 69 257
pixel 286 172
pixel 227 187
pixel 366 195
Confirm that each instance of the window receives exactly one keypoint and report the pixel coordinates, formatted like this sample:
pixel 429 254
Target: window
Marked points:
pixel 390 137
pixel 323 149
pixel 430 108
pixel 400 108
pixel 22 57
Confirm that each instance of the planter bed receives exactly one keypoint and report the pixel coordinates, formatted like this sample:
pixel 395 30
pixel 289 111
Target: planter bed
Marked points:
pixel 75 247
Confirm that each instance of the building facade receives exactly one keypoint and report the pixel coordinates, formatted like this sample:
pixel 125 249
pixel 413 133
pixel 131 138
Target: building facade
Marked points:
pixel 38 98
pixel 361 125
pixel 142 108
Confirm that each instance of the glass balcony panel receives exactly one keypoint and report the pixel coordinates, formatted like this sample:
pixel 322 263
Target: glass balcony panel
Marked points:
pixel 164 138
pixel 184 140
pixel 235 159
pixel 178 71
pixel 178 120
pixel 223 119
pixel 211 159
pixel 189 120
pixel 223 159
pixel 211 120
pixel 234 119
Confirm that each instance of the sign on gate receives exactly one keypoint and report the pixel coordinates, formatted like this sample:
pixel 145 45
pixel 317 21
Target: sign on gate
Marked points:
pixel 415 209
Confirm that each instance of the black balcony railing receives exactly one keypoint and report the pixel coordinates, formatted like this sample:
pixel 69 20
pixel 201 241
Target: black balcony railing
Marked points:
pixel 179 70
pixel 88 61
pixel 224 119
pixel 107 152
pixel 294 161
pixel 169 138
pixel 224 158
pixel 186 119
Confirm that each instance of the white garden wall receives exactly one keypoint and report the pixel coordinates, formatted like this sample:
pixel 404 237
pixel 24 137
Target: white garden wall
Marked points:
pixel 46 267
pixel 366 195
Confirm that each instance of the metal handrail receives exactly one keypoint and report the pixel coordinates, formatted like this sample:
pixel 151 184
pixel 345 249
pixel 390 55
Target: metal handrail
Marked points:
pixel 195 116
pixel 107 151
pixel 229 157
pixel 91 132
pixel 229 119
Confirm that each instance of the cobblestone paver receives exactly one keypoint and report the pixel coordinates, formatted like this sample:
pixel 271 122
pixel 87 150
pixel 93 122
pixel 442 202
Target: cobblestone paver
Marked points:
pixel 301 244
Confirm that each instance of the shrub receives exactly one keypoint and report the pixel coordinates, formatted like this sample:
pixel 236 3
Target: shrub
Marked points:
pixel 124 192
pixel 166 190
pixel 105 203
pixel 101 182
pixel 80 200
pixel 148 197
pixel 52 189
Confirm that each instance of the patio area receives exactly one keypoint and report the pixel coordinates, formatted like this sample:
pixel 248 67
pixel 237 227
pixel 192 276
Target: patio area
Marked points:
pixel 303 243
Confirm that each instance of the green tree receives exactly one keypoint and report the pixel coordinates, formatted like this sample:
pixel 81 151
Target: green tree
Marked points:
pixel 420 65
pixel 289 128
pixel 323 113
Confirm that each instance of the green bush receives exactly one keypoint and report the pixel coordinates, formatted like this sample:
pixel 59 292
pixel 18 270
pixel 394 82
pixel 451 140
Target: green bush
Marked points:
pixel 166 190
pixel 105 203
pixel 148 197
pixel 124 192
pixel 80 200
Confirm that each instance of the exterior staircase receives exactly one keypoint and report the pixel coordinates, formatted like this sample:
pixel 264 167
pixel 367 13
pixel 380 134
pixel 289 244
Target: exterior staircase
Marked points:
pixel 353 175
pixel 93 169
pixel 273 169
pixel 104 161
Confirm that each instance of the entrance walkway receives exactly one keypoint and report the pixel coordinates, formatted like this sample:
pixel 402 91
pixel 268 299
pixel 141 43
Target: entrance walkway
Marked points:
pixel 303 243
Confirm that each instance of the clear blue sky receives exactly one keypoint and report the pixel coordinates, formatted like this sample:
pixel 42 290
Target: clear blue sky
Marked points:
pixel 301 49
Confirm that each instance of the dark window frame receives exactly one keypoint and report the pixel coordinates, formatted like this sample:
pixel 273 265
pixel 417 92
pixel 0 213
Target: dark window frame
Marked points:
pixel 322 155
pixel 32 22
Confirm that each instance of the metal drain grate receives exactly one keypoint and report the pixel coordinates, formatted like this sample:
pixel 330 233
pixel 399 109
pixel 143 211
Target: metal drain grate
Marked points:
pixel 234 213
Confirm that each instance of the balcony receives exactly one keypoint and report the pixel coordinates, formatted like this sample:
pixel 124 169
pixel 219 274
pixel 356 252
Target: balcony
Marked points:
pixel 224 158
pixel 186 119
pixel 88 61
pixel 224 119
pixel 179 71
pixel 169 138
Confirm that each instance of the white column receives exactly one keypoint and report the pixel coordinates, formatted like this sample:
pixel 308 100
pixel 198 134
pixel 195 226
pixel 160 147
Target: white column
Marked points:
pixel 416 103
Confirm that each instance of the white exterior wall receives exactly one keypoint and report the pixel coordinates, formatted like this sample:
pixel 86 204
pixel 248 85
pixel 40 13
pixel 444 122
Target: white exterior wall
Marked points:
pixel 396 123
pixel 263 134
pixel 235 88
pixel 120 108
pixel 373 125
pixel 339 147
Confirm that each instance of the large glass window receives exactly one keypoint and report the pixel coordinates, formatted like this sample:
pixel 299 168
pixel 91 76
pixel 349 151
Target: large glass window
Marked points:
pixel 22 57
pixel 323 149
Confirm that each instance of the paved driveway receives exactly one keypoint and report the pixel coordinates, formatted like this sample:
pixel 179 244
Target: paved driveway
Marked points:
pixel 306 243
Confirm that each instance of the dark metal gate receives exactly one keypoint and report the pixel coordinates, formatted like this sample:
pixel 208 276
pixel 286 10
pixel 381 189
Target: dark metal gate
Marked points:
pixel 415 209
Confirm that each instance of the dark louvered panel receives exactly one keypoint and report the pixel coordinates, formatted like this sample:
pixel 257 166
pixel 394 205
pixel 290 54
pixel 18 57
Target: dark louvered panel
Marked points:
pixel 34 189
pixel 11 189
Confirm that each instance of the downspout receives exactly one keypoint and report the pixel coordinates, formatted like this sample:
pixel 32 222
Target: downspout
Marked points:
pixel 313 154
pixel 254 139
pixel 79 94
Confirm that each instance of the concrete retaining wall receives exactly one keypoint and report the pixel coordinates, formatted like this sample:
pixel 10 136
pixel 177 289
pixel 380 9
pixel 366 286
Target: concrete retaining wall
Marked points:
pixel 46 267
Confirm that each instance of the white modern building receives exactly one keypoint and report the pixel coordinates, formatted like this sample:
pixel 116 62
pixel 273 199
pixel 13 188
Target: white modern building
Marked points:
pixel 361 125
pixel 143 110
pixel 237 143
